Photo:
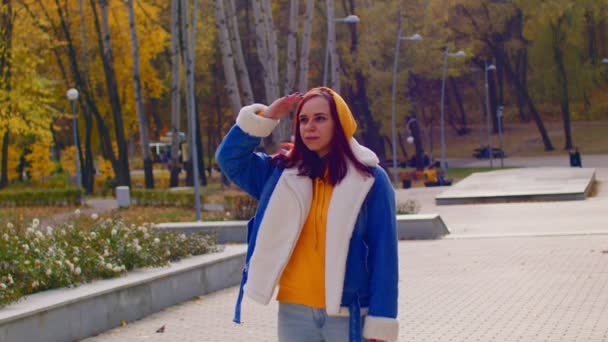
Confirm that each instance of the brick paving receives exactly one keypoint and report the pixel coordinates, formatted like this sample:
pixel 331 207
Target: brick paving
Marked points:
pixel 478 285
pixel 498 289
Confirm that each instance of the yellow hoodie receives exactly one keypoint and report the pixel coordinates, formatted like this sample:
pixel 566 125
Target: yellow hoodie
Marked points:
pixel 303 280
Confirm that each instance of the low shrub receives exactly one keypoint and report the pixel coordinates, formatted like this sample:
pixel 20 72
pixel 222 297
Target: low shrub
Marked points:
pixel 408 207
pixel 51 197
pixel 163 197
pixel 34 259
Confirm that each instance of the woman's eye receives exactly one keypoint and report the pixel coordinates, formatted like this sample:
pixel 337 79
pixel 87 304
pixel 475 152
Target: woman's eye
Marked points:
pixel 303 120
pixel 320 118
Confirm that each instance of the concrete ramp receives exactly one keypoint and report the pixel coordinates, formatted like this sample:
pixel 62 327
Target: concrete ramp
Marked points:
pixel 517 185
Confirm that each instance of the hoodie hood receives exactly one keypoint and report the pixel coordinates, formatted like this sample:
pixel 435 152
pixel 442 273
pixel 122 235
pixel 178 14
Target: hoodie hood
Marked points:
pixel 347 120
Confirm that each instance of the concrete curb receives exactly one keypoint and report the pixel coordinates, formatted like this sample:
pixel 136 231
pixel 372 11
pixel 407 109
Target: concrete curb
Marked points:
pixel 64 315
pixel 421 227
pixel 409 227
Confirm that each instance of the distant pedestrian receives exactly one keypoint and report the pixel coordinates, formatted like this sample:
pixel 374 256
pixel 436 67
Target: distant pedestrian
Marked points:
pixel 575 158
pixel 325 227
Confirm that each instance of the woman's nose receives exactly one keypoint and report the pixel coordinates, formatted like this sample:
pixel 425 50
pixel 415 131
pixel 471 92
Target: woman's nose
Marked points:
pixel 309 126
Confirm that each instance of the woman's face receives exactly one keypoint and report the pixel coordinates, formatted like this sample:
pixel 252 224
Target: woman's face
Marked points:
pixel 316 125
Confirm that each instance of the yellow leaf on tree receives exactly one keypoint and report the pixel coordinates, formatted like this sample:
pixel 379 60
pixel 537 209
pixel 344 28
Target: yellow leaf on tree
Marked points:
pixel 39 160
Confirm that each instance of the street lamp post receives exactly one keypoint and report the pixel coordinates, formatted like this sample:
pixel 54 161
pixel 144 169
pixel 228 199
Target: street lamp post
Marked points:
pixel 499 120
pixel 349 19
pixel 415 38
pixel 477 81
pixel 442 120
pixel 72 95
pixel 487 68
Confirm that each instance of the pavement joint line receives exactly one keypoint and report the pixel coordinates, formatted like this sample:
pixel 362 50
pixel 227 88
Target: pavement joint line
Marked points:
pixel 519 235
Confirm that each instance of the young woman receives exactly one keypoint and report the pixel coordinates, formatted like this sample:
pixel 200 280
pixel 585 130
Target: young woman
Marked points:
pixel 325 226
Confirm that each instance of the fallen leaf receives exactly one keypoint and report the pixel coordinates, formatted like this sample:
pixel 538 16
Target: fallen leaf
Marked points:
pixel 123 323
pixel 605 251
pixel 161 329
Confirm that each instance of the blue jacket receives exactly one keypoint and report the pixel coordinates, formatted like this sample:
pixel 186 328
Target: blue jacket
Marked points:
pixel 361 270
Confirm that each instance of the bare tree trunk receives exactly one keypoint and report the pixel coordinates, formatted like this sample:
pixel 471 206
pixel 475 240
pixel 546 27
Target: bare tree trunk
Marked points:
pixel 292 35
pixel 334 69
pixel 558 57
pixel 262 47
pixel 186 61
pixel 88 173
pixel 174 165
pixel 6 38
pixel 232 87
pixel 305 51
pixel 273 56
pixel 139 108
pixel 81 82
pixel 286 124
pixel 237 48
pixel 521 69
pixel 123 176
pixel 266 46
pixel 463 114
pixel 517 85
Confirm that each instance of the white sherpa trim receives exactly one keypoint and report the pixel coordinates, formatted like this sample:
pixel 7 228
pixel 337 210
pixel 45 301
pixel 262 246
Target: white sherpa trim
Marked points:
pixel 254 124
pixel 381 328
pixel 346 201
pixel 363 154
pixel 278 233
pixel 284 218
pixel 345 312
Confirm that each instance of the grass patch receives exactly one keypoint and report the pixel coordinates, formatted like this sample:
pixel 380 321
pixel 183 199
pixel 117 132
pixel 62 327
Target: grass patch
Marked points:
pixel 455 173
pixel 523 140
pixel 135 214
pixel 459 173
pixel 24 215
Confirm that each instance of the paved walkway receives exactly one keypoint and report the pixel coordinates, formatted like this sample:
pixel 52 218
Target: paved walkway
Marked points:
pixel 93 206
pixel 509 272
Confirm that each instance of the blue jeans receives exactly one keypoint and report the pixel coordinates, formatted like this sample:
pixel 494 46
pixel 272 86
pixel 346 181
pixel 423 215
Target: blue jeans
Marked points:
pixel 300 323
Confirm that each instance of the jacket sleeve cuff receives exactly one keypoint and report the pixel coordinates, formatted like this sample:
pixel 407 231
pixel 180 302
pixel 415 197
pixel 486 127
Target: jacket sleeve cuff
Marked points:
pixel 381 328
pixel 253 124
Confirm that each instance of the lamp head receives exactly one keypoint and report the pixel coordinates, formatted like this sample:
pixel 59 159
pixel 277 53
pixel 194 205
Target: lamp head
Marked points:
pixel 605 61
pixel 491 67
pixel 410 139
pixel 72 94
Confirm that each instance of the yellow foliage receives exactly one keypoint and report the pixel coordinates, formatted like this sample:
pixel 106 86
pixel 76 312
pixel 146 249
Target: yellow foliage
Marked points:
pixel 24 106
pixel 105 167
pixel 67 159
pixel 13 162
pixel 39 160
pixel 161 179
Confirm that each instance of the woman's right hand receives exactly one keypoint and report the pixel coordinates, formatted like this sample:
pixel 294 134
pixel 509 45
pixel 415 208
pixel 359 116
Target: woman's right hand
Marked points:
pixel 281 107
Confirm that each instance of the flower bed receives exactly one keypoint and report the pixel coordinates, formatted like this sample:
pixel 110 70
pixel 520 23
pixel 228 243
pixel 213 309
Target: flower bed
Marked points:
pixel 34 259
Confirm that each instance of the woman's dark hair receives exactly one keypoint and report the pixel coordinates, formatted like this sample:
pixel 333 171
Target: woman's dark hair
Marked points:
pixel 308 162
